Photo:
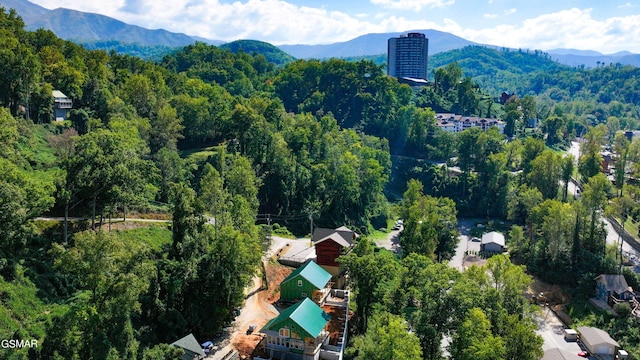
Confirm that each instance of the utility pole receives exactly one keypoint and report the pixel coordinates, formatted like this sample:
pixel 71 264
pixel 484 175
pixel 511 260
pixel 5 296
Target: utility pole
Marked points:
pixel 310 227
pixel 269 228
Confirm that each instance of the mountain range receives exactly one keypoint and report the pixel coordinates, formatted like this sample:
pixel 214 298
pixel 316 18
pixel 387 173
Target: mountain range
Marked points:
pixel 83 27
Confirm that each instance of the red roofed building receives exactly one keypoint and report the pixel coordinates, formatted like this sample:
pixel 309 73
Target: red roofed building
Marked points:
pixel 331 243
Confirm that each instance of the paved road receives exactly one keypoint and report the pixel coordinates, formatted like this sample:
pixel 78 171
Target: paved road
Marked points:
pixel 391 242
pixel 464 243
pixel 612 236
pixel 113 220
pixel 551 330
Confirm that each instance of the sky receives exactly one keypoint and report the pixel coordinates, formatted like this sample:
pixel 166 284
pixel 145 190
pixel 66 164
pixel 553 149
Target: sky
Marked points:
pixel 606 26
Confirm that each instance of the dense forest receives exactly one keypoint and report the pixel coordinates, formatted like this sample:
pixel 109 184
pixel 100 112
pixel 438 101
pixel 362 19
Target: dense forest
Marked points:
pixel 211 141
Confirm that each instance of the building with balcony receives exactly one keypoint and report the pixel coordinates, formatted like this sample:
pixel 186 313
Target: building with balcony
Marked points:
pixel 307 281
pixel 457 123
pixel 298 332
pixel 407 56
pixel 61 105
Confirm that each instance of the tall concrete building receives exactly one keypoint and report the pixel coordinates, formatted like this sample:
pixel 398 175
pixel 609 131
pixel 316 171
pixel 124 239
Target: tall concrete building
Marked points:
pixel 407 56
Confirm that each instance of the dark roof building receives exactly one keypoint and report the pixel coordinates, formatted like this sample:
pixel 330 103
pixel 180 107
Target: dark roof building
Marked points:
pixel 613 287
pixel 192 350
pixel 331 243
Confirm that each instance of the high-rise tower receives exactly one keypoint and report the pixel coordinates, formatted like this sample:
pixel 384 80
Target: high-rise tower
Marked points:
pixel 407 56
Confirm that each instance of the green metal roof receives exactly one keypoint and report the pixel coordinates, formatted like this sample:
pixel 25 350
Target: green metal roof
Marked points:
pixel 313 273
pixel 306 314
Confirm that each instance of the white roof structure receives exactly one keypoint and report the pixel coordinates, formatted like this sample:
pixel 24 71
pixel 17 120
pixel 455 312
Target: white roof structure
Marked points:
pixel 57 94
pixel 493 237
pixel 596 340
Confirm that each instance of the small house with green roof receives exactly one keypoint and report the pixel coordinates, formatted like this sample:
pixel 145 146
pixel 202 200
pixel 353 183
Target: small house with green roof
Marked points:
pixel 308 281
pixel 299 330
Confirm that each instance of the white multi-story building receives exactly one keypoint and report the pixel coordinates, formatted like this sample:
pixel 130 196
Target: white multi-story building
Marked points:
pixel 457 123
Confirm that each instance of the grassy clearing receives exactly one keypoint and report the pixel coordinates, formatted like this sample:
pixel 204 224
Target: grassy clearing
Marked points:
pixel 154 235
pixel 378 235
pixel 33 146
pixel 631 227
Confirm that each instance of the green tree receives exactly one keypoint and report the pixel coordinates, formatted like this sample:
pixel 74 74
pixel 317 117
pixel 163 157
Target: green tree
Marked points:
pixel 107 168
pixel 114 273
pixel 473 340
pixel 531 149
pixel 510 281
pixel 590 162
pixel 594 198
pixel 521 339
pixel 430 228
pixel 568 164
pixel 546 173
pixel 369 273
pixel 8 134
pixel 166 130
pixel 429 286
pixel 521 204
pixel 387 338
pixel 554 126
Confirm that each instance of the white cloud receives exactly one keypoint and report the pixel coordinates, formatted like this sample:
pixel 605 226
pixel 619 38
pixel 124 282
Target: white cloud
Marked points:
pixel 274 21
pixel 281 22
pixel 100 7
pixel 416 5
pixel 510 11
pixel 573 28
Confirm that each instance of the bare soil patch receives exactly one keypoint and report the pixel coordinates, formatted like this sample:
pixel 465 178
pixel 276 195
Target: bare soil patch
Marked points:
pixel 275 274
pixel 258 310
pixel 470 260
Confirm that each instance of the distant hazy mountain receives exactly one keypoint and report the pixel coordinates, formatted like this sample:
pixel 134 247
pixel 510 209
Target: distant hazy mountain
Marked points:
pixel 87 27
pixel 590 58
pixel 574 52
pixel 96 29
pixel 272 53
pixel 28 11
pixel 373 44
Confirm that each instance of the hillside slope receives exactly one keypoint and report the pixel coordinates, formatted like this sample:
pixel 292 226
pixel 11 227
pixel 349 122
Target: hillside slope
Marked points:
pixel 271 52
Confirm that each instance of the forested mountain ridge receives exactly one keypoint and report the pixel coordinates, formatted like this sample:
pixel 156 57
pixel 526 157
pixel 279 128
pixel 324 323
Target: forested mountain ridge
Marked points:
pixel 272 53
pixel 208 134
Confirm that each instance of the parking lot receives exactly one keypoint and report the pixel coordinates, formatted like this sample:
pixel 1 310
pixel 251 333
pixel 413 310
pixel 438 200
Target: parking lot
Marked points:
pixel 552 331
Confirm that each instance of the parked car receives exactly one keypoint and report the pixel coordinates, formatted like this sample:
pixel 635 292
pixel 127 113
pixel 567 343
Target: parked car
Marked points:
pixel 207 346
pixel 583 353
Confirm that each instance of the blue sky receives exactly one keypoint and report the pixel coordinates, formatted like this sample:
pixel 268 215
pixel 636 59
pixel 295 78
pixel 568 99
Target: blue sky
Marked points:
pixel 605 26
